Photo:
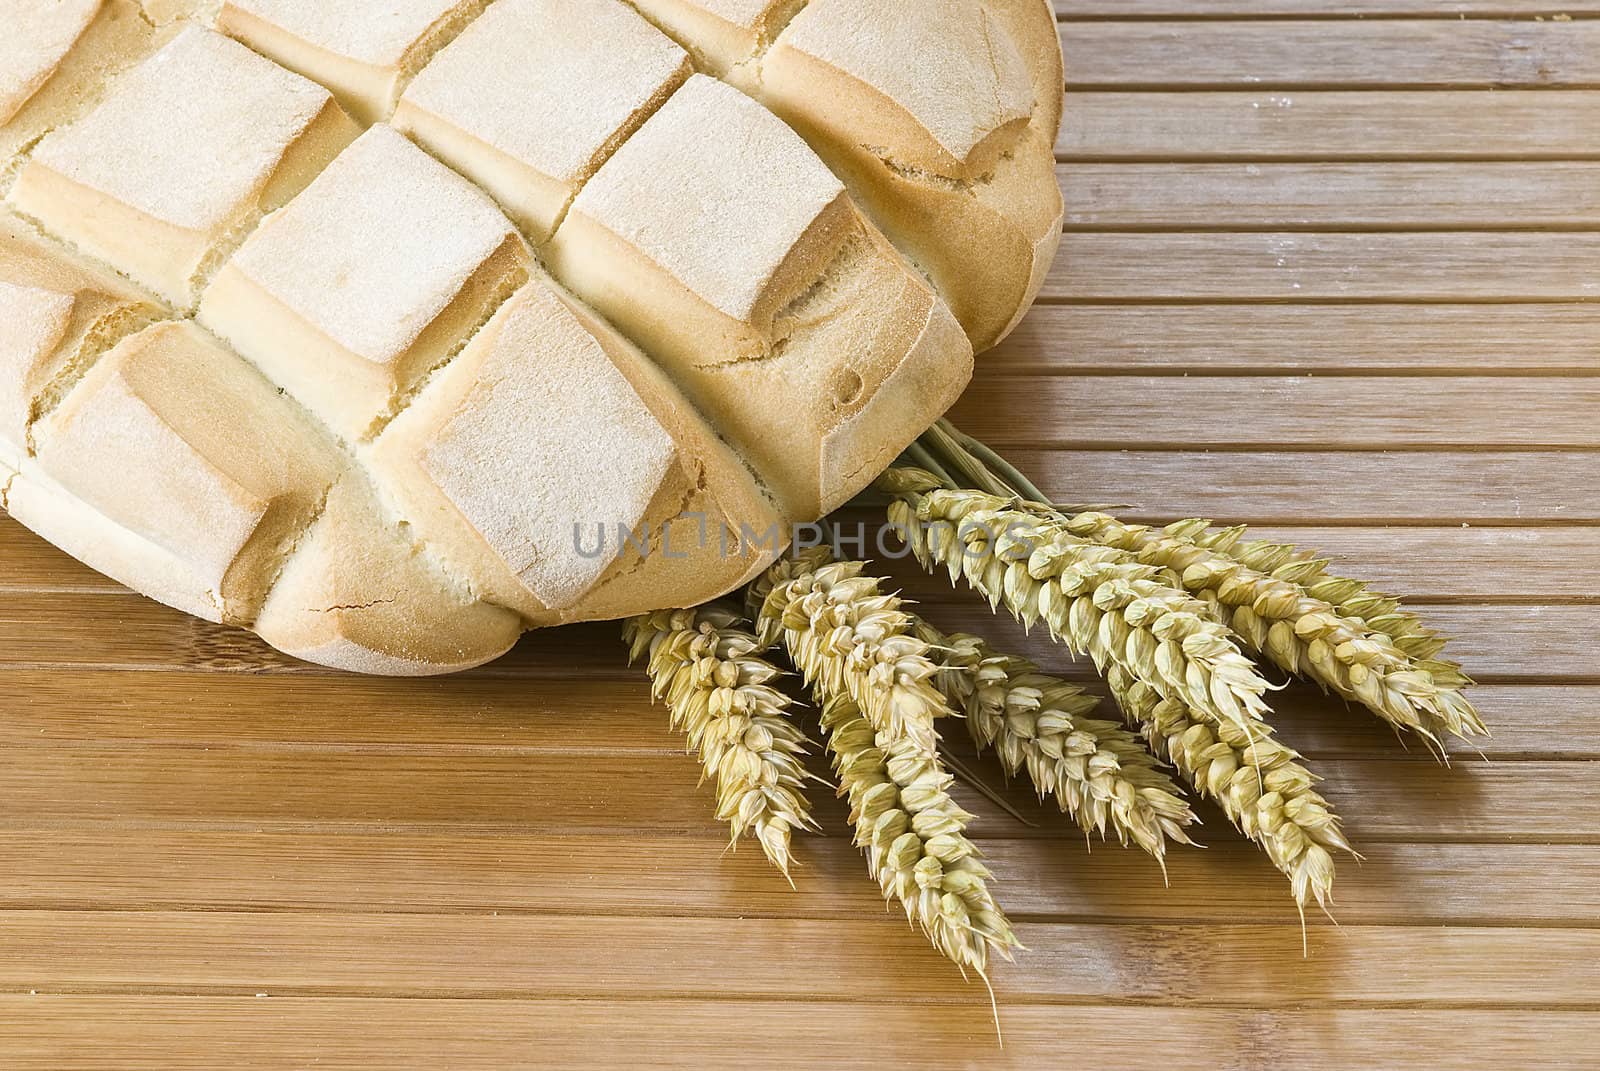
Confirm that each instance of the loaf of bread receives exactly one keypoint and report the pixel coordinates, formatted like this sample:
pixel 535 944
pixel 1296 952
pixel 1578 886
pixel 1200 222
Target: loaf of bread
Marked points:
pixel 394 331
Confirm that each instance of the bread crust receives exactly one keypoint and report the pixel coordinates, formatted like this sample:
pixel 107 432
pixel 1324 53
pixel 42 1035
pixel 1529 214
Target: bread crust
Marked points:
pixel 939 185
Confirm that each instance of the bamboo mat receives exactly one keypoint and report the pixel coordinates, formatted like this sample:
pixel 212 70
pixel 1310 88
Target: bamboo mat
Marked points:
pixel 1330 267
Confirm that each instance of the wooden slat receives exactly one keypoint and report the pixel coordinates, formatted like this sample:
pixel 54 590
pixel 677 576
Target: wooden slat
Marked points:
pixel 1268 339
pixel 132 633
pixel 354 954
pixel 1391 797
pixel 1327 487
pixel 1460 563
pixel 1424 52
pixel 612 716
pixel 154 1034
pixel 1331 196
pixel 1247 9
pixel 1058 879
pixel 1331 125
pixel 1324 412
pixel 1286 266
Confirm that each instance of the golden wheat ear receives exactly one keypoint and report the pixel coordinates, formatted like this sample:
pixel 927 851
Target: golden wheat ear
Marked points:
pixel 1096 600
pixel 719 690
pixel 1263 787
pixel 1281 620
pixel 1172 666
pixel 872 677
pixel 1098 772
pixel 1281 600
pixel 914 836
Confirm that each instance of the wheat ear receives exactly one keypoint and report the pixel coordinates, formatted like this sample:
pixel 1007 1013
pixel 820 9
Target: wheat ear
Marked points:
pixel 1095 599
pixel 1299 632
pixel 849 637
pixel 1098 772
pixel 873 677
pixel 1261 785
pixel 1381 613
pixel 914 836
pixel 719 690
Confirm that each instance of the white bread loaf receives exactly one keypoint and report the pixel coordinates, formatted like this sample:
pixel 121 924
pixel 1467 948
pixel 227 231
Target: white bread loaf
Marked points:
pixel 411 326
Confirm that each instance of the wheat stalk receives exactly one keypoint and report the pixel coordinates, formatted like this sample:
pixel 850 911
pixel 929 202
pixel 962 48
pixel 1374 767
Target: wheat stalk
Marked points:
pixel 848 637
pixel 1096 599
pixel 914 835
pixel 1098 772
pixel 719 691
pixel 1261 785
pixel 1296 630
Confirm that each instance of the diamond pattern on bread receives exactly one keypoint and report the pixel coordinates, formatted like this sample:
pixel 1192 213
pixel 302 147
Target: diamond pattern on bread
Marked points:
pixel 717 239
pixel 55 69
pixel 721 33
pixel 388 387
pixel 365 53
pixel 178 441
pixel 360 595
pixel 499 458
pixel 964 136
pixel 952 115
pixel 37 40
pixel 536 94
pixel 59 315
pixel 369 279
pixel 188 148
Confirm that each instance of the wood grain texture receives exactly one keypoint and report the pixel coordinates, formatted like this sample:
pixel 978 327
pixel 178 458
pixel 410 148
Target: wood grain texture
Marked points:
pixel 163 1034
pixel 1318 54
pixel 1318 277
pixel 1322 412
pixel 1489 266
pixel 1445 487
pixel 1504 340
pixel 1332 196
pixel 354 954
pixel 1403 125
pixel 124 633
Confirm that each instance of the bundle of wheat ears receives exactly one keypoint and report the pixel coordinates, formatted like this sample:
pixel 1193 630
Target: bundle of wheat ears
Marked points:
pixel 1172 618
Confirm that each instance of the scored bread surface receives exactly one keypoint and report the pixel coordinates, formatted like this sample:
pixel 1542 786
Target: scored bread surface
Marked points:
pixel 392 330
